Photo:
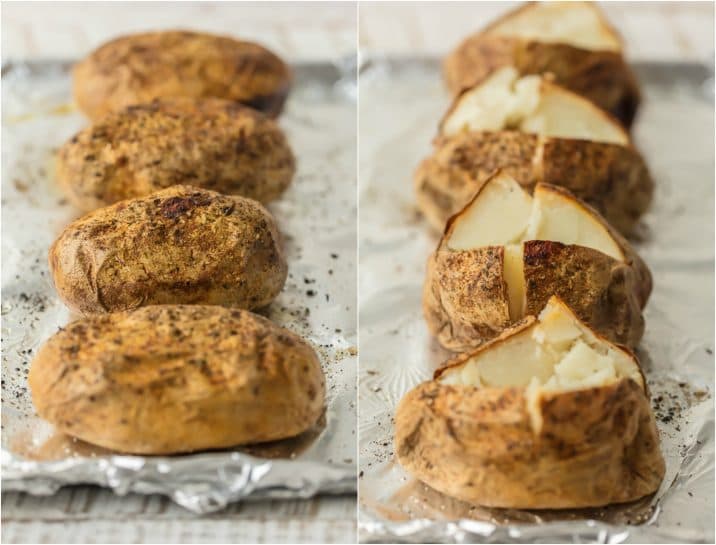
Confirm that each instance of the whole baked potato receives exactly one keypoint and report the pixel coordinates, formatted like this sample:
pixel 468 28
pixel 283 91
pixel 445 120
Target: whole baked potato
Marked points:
pixel 536 132
pixel 177 378
pixel 179 245
pixel 211 143
pixel 506 253
pixel 547 416
pixel 570 40
pixel 141 67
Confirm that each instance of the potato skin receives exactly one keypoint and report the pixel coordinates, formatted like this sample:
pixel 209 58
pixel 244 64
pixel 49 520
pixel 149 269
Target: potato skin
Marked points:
pixel 613 179
pixel 602 292
pixel 601 76
pixel 465 296
pixel 141 67
pixel 211 143
pixel 463 314
pixel 179 245
pixel 177 378
pixel 596 446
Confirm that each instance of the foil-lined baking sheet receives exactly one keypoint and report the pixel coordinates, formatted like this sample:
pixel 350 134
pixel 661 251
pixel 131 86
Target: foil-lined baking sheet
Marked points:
pixel 401 104
pixel 317 216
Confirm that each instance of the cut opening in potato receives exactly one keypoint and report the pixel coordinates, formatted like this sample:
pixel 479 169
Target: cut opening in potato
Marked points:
pixel 530 104
pixel 579 24
pixel 556 353
pixel 504 214
pixel 498 215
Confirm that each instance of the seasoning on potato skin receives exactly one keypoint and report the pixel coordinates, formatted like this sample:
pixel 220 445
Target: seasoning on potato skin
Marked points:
pixel 597 446
pixel 513 440
pixel 612 178
pixel 141 67
pixel 211 143
pixel 177 378
pixel 180 245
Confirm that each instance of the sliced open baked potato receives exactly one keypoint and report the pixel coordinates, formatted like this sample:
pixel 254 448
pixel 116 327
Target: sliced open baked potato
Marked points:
pixel 547 416
pixel 506 253
pixel 571 40
pixel 537 132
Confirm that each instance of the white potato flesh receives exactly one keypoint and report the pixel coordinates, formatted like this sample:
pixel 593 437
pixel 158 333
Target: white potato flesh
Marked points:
pixel 558 329
pixel 513 363
pixel 563 219
pixel 497 216
pixel 582 367
pixel 558 353
pixel 504 101
pixel 579 24
pixel 514 276
pixel 563 114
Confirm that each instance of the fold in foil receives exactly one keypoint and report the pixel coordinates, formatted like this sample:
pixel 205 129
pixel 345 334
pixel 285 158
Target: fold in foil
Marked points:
pixel 317 216
pixel 401 102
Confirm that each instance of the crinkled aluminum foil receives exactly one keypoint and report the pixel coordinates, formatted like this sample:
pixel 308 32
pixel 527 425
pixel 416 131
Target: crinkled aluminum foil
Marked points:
pixel 401 103
pixel 318 218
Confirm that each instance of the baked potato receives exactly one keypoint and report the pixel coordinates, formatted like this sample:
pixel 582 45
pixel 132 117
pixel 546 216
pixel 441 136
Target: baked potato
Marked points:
pixel 506 253
pixel 537 132
pixel 212 143
pixel 570 40
pixel 141 67
pixel 177 378
pixel 547 416
pixel 179 245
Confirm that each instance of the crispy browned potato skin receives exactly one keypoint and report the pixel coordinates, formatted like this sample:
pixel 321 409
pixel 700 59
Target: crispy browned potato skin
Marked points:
pixel 177 378
pixel 642 274
pixel 179 245
pixel 465 301
pixel 603 292
pixel 141 67
pixel 211 143
pixel 601 76
pixel 597 446
pixel 465 296
pixel 613 179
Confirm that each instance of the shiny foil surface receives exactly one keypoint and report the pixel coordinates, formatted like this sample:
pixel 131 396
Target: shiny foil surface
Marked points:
pixel 401 102
pixel 317 216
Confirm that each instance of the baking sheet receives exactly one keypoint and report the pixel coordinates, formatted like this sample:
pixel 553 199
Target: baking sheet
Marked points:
pixel 318 218
pixel 401 103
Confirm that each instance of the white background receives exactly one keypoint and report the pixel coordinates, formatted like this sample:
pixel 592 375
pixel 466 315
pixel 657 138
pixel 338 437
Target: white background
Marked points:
pixel 654 31
pixel 667 31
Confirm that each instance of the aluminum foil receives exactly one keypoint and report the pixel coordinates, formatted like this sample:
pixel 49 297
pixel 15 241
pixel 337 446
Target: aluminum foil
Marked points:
pixel 401 103
pixel 318 218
